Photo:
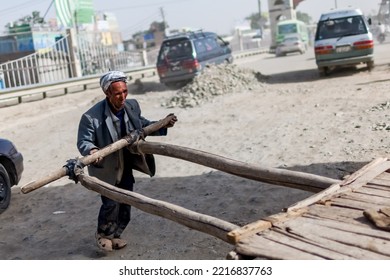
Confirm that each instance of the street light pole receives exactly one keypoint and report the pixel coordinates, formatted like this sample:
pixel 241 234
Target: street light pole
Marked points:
pixel 260 22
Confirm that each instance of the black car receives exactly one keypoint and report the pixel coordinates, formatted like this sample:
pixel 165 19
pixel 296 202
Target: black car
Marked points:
pixel 183 56
pixel 11 169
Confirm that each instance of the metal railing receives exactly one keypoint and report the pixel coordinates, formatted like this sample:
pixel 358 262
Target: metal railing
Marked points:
pixel 68 59
pixel 50 64
pixel 98 58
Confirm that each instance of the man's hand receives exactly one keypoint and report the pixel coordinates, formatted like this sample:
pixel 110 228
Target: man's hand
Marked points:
pixel 99 159
pixel 172 121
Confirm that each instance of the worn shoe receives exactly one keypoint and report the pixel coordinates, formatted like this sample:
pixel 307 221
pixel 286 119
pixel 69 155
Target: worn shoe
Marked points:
pixel 103 242
pixel 118 243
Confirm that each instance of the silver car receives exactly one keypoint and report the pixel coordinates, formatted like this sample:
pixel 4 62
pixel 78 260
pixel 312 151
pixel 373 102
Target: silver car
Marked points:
pixel 343 38
pixel 290 44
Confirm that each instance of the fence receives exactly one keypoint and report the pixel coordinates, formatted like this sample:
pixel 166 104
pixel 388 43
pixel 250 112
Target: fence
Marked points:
pixel 46 65
pixel 70 57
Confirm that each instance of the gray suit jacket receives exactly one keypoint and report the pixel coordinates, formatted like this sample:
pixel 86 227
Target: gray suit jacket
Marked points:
pixel 96 130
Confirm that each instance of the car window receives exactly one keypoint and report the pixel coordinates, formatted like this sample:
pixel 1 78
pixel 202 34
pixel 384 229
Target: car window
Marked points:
pixel 340 27
pixel 175 49
pixel 200 45
pixel 211 43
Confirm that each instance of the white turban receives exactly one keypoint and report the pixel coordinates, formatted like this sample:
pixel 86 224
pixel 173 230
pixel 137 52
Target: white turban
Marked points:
pixel 111 77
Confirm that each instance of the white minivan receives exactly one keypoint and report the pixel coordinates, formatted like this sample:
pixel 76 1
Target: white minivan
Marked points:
pixel 343 38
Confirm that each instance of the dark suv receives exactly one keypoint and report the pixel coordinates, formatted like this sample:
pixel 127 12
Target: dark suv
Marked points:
pixel 183 56
pixel 11 168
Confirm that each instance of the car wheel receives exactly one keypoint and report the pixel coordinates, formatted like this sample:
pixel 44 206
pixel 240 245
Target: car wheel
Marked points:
pixel 370 65
pixel 323 71
pixel 5 189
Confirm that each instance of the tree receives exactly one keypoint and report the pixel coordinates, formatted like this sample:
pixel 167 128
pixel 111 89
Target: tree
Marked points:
pixel 254 20
pixel 157 26
pixel 304 17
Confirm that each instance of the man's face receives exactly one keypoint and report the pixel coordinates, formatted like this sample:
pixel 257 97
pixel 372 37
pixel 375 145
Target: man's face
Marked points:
pixel 116 95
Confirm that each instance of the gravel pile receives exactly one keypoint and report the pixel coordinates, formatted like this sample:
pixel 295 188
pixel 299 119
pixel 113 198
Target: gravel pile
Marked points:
pixel 381 107
pixel 215 80
pixel 380 126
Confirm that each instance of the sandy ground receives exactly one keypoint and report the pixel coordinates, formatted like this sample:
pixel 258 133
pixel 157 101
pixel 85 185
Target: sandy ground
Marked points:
pixel 329 127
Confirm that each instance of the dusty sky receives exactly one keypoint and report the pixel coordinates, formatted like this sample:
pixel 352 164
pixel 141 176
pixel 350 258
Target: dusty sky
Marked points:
pixel 215 15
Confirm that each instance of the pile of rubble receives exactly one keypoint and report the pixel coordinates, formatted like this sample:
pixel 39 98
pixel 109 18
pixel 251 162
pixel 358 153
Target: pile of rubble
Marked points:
pixel 215 80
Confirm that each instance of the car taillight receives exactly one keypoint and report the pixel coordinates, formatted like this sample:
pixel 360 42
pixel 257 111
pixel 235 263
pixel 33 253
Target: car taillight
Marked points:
pixel 323 50
pixel 367 44
pixel 162 69
pixel 192 64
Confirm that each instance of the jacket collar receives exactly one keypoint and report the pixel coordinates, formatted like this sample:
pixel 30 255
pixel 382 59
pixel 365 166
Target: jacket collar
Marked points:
pixel 133 117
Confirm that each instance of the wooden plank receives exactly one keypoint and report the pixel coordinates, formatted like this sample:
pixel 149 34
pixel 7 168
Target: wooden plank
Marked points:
pixel 352 203
pixel 384 176
pixel 342 214
pixel 235 235
pixel 368 191
pixel 356 180
pixel 315 198
pixel 373 199
pixel 379 184
pixel 259 246
pixel 331 236
pixel 348 233
pixel 301 243
pixel 334 249
pixel 367 173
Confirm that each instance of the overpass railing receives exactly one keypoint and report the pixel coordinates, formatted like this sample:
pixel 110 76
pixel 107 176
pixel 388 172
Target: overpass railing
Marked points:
pixel 72 56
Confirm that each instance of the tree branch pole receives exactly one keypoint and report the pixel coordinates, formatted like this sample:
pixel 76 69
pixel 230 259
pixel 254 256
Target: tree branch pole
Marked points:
pixel 87 160
pixel 275 176
pixel 200 222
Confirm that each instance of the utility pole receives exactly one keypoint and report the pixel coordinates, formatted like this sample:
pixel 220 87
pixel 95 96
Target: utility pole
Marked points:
pixel 335 4
pixel 260 21
pixel 163 18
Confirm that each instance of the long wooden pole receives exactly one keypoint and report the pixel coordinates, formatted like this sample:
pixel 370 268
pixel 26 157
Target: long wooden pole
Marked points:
pixel 87 160
pixel 200 222
pixel 275 176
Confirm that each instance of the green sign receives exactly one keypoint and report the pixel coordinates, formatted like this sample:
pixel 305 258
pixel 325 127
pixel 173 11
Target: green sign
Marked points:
pixel 74 12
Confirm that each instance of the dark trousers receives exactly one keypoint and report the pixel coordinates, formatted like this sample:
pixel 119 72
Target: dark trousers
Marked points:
pixel 114 216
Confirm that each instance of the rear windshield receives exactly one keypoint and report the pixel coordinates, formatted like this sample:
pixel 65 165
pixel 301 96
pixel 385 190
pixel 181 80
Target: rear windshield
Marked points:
pixel 175 49
pixel 340 27
pixel 287 28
